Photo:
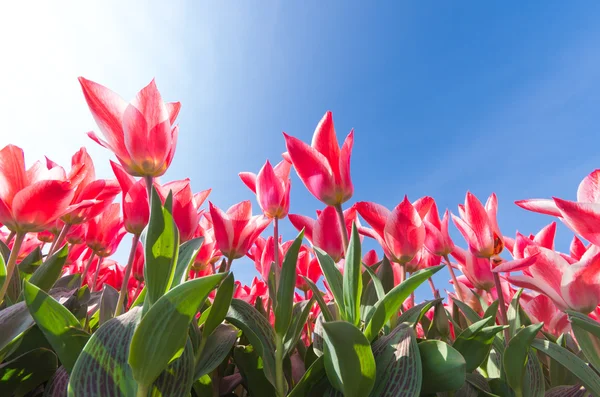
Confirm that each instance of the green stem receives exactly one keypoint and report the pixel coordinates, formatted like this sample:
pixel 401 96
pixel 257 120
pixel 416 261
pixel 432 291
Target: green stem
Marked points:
pixel 134 243
pixel 502 305
pixel 454 279
pixel 279 378
pixel 228 265
pixel 142 390
pixel 149 183
pixel 342 222
pixel 436 293
pixel 12 261
pixel 58 241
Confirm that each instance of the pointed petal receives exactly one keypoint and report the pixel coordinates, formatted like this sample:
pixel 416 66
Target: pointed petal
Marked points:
pixel 240 211
pixel 515 265
pixel 542 206
pixel 535 284
pixel 269 190
pixel 545 237
pixel 580 285
pixel 423 205
pixel 374 214
pixel 582 218
pixel 200 198
pixel 249 180
pixel 12 173
pixel 577 248
pixel 325 142
pixel 173 110
pixel 223 229
pixel 404 231
pixel 125 180
pixel 282 170
pixel 301 221
pixel 327 234
pixel 41 203
pixel 589 188
pixel 344 179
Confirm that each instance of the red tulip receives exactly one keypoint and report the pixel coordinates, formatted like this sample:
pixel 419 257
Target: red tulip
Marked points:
pixel 31 199
pixel 477 270
pixel 272 188
pixel 105 231
pixel 136 212
pixel 110 273
pixel 437 238
pixel 401 232
pixel 422 260
pixel 263 255
pixel 325 233
pixel 581 216
pixel 138 263
pixel 249 294
pixel 236 229
pixel 479 226
pixel 208 254
pixel 540 309
pixel 141 134
pixel 186 206
pixel 577 248
pixel 370 258
pixel 308 267
pixel 76 234
pixel 323 167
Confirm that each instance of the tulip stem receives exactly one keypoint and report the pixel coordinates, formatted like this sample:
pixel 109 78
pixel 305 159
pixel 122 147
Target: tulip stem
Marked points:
pixel 279 378
pixel 142 390
pixel 10 237
pixel 227 265
pixel 149 183
pixel 98 266
pixel 12 261
pixel 436 293
pixel 454 279
pixel 87 267
pixel 138 289
pixel 123 290
pixel 503 316
pixel 276 252
pixel 61 236
pixel 342 221
pixel 402 273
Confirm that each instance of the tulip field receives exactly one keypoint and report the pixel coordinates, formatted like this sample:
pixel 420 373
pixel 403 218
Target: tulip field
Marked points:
pixel 322 317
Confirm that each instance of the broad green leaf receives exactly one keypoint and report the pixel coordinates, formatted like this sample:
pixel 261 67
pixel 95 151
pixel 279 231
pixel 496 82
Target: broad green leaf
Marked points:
pixel 492 312
pixel 375 282
pixel 287 283
pixel 533 381
pixel 258 331
pixel 220 305
pixel 250 364
pixel 312 378
pixel 587 333
pixel 48 273
pixel 187 254
pixel 218 346
pixel 513 313
pixel 139 301
pixel 58 385
pixel 398 363
pixel 385 272
pixel 318 295
pixel 413 315
pixel 373 292
pixel 352 278
pixel 500 388
pixel 70 281
pixel 160 249
pixel 391 303
pixel 480 383
pixel 178 378
pixel 349 361
pixel 60 327
pixel 440 327
pixel 443 367
pixel 571 362
pixel 516 354
pixel 567 391
pixel 162 334
pixel 31 262
pixel 108 303
pixel 24 373
pixel 475 342
pixel 559 376
pixel 334 279
pixel 14 320
pixel 299 318
pixel 318 331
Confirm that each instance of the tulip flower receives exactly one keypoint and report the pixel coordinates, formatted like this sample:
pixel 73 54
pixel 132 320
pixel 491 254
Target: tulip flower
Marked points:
pixel 136 211
pixel 325 232
pixel 308 267
pixel 479 226
pixel 540 309
pixel 105 231
pixel 186 206
pixel 250 294
pixel 140 133
pixel 272 188
pixel 437 238
pixel 323 167
pixel 208 254
pixel 577 248
pixel 138 263
pixel 236 229
pixel 401 232
pixel 581 216
pixel 370 258
pixel 263 255
pixel 107 271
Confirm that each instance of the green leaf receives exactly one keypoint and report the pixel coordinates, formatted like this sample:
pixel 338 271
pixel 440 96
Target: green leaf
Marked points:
pixel 439 327
pixel 178 378
pixel 385 272
pixel 443 366
pixel 250 364
pixel 475 342
pixel 160 249
pixel 299 318
pixel 108 303
pixel 349 361
pixel 334 279
pixel 161 335
pixel 258 331
pixel 48 273
pixel 187 254
pixel 571 362
pixel 587 333
pixel 14 320
pixel 567 391
pixel 140 298
pixel 220 305
pixel 492 312
pixel 500 388
pixel 398 364
pixel 218 346
pixel 70 281
pixel 318 331
pixel 312 378
pixel 60 327
pixel 287 283
pixel 352 278
pixel 31 262
pixel 318 295
pixel 391 303
pixel 57 385
pixel 413 315
pixel 533 381
pixel 515 356
pixel 24 373
pixel 514 319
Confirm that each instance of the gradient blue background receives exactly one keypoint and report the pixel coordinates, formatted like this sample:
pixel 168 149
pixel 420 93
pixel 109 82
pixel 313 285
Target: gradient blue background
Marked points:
pixel 443 97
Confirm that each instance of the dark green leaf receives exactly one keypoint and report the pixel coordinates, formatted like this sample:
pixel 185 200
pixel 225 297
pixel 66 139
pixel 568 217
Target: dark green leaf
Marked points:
pixel 587 333
pixel 415 313
pixel 299 318
pixel 178 378
pixel 475 342
pixel 516 354
pixel 187 254
pixel 334 278
pixel 349 361
pixel 352 278
pixel 313 377
pixel 443 367
pixel 218 346
pixel 220 305
pixel 250 364
pixel 533 381
pixel 70 281
pixel 57 386
pixel 287 283
pixel 567 391
pixel 513 313
pixel 108 303
pixel 24 373
pixel 48 273
pixel 318 295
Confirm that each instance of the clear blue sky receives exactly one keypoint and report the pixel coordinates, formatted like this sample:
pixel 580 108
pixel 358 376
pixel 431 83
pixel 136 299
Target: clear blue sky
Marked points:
pixel 444 98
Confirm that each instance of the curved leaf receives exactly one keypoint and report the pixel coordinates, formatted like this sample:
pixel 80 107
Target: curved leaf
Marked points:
pixel 218 346
pixel 177 380
pixel 334 278
pixel 443 366
pixel 48 273
pixel 352 278
pixel 299 318
pixel 516 354
pixel 24 373
pixel 220 305
pixel 57 386
pixel 187 254
pixel 475 342
pixel 587 333
pixel 287 283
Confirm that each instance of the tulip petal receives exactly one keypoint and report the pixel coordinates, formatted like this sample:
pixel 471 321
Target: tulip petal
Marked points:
pixel 269 190
pixel 404 231
pixel 577 248
pixel 325 142
pixel 282 170
pixel 515 265
pixel 580 285
pixel 374 214
pixel 589 188
pixel 300 222
pixel 582 218
pixel 41 203
pixel 423 205
pixel 344 179
pixel 12 173
pixel 223 229
pixel 538 285
pixel 249 180
pixel 200 197
pixel 327 234
pixel 173 110
pixel 542 206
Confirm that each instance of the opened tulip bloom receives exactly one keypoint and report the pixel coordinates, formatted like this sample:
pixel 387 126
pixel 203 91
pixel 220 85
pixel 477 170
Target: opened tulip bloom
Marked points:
pixel 437 238
pixel 105 231
pixel 140 133
pixel 581 216
pixel 186 206
pixel 323 167
pixel 136 211
pixel 272 188
pixel 208 254
pixel 236 229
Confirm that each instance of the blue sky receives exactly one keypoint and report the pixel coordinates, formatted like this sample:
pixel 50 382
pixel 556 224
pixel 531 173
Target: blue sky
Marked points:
pixel 444 99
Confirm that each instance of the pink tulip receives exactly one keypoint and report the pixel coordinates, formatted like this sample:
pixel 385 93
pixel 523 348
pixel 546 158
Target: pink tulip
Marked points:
pixel 236 229
pixel 325 232
pixel 540 309
pixel 208 254
pixel 263 254
pixel 477 270
pixel 479 226
pixel 272 188
pixel 186 206
pixel 138 263
pixel 323 167
pixel 577 248
pixel 422 260
pixel 400 232
pixel 105 231
pixel 308 267
pixel 141 133
pixel 136 212
pixel 370 258
pixel 437 238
